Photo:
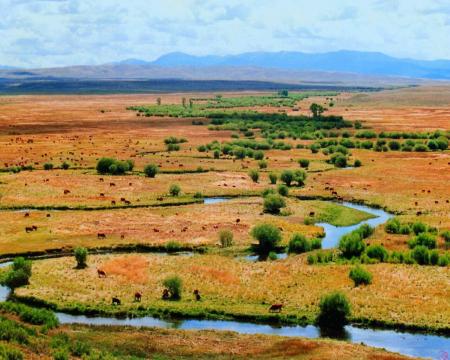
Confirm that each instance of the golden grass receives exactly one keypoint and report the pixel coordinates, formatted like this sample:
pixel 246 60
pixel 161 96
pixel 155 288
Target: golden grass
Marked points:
pixel 241 287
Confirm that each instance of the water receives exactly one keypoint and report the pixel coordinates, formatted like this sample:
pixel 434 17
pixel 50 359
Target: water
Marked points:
pixel 334 233
pixel 420 345
pixel 215 200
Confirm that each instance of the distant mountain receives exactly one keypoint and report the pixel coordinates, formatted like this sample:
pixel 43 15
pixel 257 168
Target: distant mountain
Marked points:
pixel 367 63
pixel 5 67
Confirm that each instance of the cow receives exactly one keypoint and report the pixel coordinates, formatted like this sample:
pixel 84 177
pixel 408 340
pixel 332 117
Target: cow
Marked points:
pixel 26 214
pixel 276 308
pixel 101 273
pixel 101 236
pixel 122 236
pixel 137 296
pixel 127 202
pixel 102 195
pixel 116 301
pixel 312 213
pixel 238 221
pixel 197 295
pixel 66 192
pixel 166 294
pixel 112 184
pixel 123 199
pixel 113 202
pixel 34 227
pixel 28 229
pixel 101 180
pixel 48 215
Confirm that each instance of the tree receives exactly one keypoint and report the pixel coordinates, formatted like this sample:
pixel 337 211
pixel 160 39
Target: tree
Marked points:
pixel 316 110
pixel 334 310
pixel 273 204
pixel 283 93
pixel 287 176
pixel 19 274
pixel 268 237
pixel 174 190
pixel 175 286
pixel 151 170
pixel 81 257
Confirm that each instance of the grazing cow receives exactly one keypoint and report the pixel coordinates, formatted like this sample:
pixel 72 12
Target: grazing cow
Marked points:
pixel 122 199
pixel 126 202
pixel 27 214
pixel 436 202
pixel 112 184
pixel 155 230
pixel 197 295
pixel 122 236
pixel 101 273
pixel 34 227
pixel 66 192
pixel 312 213
pixel 166 294
pixel 160 198
pixel 101 179
pixel 116 301
pixel 137 296
pixel 416 203
pixel 184 229
pixel 113 202
pixel 130 184
pixel 102 194
pixel 276 308
pixel 238 221
pixel 101 236
pixel 28 229
pixel 419 213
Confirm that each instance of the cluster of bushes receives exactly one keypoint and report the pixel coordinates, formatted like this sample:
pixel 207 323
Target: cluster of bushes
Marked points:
pixel 151 170
pixel 9 353
pixel 18 275
pixel 64 349
pixel 114 166
pixel 12 331
pixel 297 176
pixel 31 315
pixel 299 244
pixel 352 244
pixel 18 169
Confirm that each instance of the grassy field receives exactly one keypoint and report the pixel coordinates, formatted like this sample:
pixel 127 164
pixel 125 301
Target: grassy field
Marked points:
pixel 239 288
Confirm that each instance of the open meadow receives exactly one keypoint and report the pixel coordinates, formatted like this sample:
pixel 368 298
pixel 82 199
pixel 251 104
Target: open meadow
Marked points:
pixel 262 203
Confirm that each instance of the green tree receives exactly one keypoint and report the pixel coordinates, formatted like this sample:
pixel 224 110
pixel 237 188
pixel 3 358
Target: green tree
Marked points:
pixel 268 237
pixel 273 203
pixel 175 286
pixel 81 257
pixel 334 310
pixel 316 110
pixel 151 170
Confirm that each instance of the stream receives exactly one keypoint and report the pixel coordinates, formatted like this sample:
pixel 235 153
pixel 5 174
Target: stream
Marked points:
pixel 403 342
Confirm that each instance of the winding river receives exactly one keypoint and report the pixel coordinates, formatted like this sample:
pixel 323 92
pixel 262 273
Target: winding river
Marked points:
pixel 407 343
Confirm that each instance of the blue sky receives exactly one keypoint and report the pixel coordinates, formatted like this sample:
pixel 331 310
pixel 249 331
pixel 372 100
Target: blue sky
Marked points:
pixel 43 33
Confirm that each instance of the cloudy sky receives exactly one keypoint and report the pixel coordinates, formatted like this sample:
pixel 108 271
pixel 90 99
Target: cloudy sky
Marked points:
pixel 42 33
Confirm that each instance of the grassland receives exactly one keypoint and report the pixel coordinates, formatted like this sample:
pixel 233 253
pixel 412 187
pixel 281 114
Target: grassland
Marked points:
pixel 239 288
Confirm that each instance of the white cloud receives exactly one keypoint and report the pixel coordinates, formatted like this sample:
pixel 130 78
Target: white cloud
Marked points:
pixel 36 33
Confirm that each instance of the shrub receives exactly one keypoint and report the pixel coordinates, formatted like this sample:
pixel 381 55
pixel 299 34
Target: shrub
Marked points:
pixel 9 353
pixel 151 170
pixel 17 278
pixel 172 147
pixel 434 257
pixel 421 255
pixel 175 285
pixel 351 245
pixel 113 166
pixel 272 256
pixel 442 143
pixel 216 154
pixel 287 176
pixel 173 246
pixel 339 161
pixel 273 204
pixel 283 190
pixel 226 238
pixel 48 166
pixel 419 227
pixel 104 164
pixel 365 230
pixel 201 148
pixel 12 331
pixel 360 276
pixel 394 145
pixel 174 190
pixel 392 226
pixel 81 257
pixel 316 244
pixel 65 165
pixel 262 164
pixel 268 191
pixel 334 310
pixel 268 237
pixel 258 155
pixel 443 260
pixel 304 163
pixel 273 178
pixel 254 175
pixel 20 263
pixel 423 239
pixel 377 252
pixel 420 148
pixel 312 259
pixel 405 229
pixel 198 195
pixel 60 354
pixel 357 163
pixel 298 244
pixel 300 177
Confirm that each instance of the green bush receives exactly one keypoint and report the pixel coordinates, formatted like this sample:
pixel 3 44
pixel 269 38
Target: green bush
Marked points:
pixel 298 244
pixel 377 252
pixel 48 166
pixel 444 260
pixel 254 175
pixel 258 155
pixel 173 246
pixel 13 331
pixel 151 170
pixel 304 163
pixel 113 166
pixel 273 178
pixel 216 154
pixel 272 256
pixel 19 274
pixel 9 353
pixel 287 176
pixel 392 226
pixel 425 239
pixel 20 263
pixel 405 229
pixel 174 190
pixel 273 203
pixel 351 245
pixel 262 164
pixel 434 257
pixel 60 354
pixel 226 238
pixel 172 147
pixel 175 285
pixel 394 145
pixel 334 310
pixel 300 177
pixel 80 349
pixel 268 237
pixel 283 190
pixel 365 230
pixel 81 257
pixel 421 255
pixel 65 165
pixel 418 227
pixel 30 315
pixel 339 161
pixel 357 163
pixel 104 164
pixel 316 244
pixel 360 276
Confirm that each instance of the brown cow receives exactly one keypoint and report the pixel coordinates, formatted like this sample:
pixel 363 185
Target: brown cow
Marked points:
pixel 102 194
pixel 238 221
pixel 122 236
pixel 166 294
pixel 101 236
pixel 27 214
pixel 101 179
pixel 116 301
pixel 34 227
pixel 66 192
pixel 276 308
pixel 197 295
pixel 137 296
pixel 112 184
pixel 113 202
pixel 28 229
pixel 126 202
pixel 101 273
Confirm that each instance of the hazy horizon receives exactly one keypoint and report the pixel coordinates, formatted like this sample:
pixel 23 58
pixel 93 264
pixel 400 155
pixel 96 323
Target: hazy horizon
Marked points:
pixel 55 33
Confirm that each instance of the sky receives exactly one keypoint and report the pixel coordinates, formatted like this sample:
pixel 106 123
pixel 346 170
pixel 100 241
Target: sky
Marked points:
pixel 48 33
